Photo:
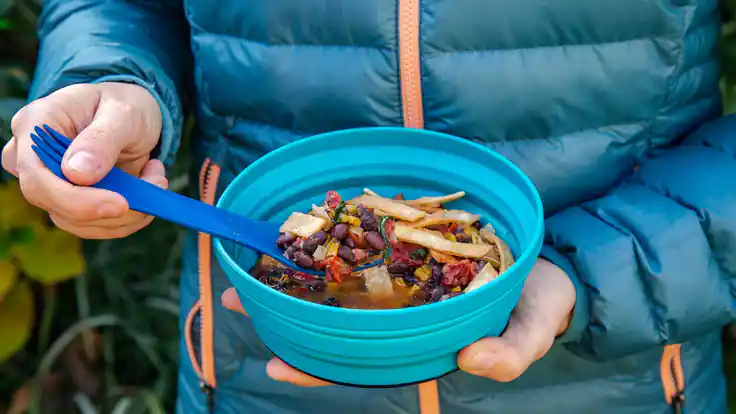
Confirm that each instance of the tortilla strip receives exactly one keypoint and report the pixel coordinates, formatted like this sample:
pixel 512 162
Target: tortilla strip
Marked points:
pixel 436 201
pixel 505 258
pixel 486 274
pixel 441 257
pixel 303 225
pixel 434 241
pixel 398 210
pixel 370 192
pixel 447 216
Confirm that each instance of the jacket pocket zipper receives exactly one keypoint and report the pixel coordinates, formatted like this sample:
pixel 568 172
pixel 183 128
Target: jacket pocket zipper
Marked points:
pixel 208 177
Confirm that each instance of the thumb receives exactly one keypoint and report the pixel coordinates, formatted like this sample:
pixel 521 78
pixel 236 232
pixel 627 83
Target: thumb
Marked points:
pixel 96 149
pixel 506 357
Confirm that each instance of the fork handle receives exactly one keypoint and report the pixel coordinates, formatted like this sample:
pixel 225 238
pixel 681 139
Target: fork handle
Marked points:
pixel 149 199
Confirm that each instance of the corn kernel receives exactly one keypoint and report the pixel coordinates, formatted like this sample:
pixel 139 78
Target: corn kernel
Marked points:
pixel 456 289
pixel 353 221
pixel 450 237
pixel 423 273
pixel 332 248
pixel 351 209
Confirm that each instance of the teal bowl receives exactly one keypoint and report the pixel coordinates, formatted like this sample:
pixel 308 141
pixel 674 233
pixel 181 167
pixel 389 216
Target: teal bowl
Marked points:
pixel 379 348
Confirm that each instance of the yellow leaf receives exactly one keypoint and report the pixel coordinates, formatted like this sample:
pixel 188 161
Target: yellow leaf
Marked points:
pixel 16 319
pixel 16 212
pixel 8 277
pixel 53 257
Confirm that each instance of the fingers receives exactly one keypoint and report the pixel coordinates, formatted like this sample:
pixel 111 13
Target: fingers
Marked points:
pixel 507 357
pixel 117 227
pixel 10 156
pixel 541 314
pixel 95 232
pixel 278 370
pixel 231 301
pixel 96 149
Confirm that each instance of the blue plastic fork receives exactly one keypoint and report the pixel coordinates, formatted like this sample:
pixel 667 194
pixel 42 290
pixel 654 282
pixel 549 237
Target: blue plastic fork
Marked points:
pixel 147 198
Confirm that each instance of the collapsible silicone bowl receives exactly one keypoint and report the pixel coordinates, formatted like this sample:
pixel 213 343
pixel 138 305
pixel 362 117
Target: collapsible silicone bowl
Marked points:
pixel 378 348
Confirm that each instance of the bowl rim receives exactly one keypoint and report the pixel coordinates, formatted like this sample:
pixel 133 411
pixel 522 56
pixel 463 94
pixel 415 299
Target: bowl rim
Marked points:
pixel 525 254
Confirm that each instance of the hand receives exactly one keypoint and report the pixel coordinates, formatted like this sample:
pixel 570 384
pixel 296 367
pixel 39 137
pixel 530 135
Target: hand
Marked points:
pixel 112 123
pixel 543 313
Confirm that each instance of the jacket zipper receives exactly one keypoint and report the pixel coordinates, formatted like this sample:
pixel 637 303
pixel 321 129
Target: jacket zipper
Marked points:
pixel 410 76
pixel 410 71
pixel 208 177
pixel 673 377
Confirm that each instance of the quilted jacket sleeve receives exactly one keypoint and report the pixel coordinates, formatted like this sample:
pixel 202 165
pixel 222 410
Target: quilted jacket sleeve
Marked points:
pixel 138 41
pixel 654 261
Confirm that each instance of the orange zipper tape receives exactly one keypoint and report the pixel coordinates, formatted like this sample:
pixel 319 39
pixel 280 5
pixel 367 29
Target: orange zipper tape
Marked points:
pixel 207 186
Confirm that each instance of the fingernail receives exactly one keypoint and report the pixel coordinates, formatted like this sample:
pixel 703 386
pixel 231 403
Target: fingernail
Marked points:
pixel 84 163
pixel 480 362
pixel 110 210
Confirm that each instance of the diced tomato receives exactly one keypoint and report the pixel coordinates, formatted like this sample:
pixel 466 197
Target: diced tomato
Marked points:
pixel 401 253
pixel 458 273
pixel 335 270
pixel 358 239
pixel 452 229
pixel 321 264
pixel 399 196
pixel 333 199
pixel 389 226
pixel 360 255
pixel 302 277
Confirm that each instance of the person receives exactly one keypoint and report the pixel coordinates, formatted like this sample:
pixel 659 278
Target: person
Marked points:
pixel 612 108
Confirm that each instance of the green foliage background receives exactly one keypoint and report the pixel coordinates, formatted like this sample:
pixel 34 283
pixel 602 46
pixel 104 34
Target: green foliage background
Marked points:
pixel 107 342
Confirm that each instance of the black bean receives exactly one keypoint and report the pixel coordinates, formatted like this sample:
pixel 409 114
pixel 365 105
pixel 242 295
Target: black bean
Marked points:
pixel 290 251
pixel 477 225
pixel 462 238
pixel 285 239
pixel 303 259
pixel 340 231
pixel 368 221
pixel 398 268
pixel 331 302
pixel 437 275
pixel 318 285
pixel 349 242
pixel 410 279
pixel 480 265
pixel 310 246
pixel 435 294
pixel 345 253
pixel 374 239
pixel 320 237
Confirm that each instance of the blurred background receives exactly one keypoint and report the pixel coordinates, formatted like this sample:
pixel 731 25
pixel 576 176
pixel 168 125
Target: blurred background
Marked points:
pixel 92 327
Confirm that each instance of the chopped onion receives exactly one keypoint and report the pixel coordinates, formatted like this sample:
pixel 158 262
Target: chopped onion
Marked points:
pixel 320 253
pixel 486 274
pixel 378 281
pixel 320 211
pixel 303 225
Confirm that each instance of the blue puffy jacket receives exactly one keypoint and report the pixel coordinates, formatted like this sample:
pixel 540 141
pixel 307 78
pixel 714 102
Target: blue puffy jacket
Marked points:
pixel 611 107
